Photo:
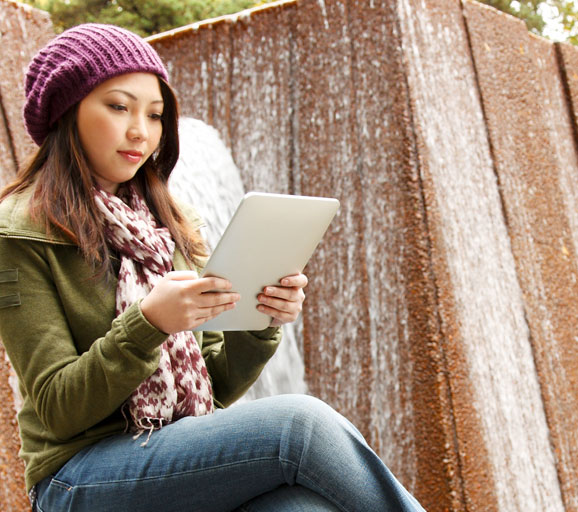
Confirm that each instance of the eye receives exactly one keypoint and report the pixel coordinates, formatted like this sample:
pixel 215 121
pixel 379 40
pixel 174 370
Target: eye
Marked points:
pixel 118 107
pixel 156 117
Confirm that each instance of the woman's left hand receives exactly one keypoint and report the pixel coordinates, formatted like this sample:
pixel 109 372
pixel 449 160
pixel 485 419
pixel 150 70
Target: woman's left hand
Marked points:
pixel 283 302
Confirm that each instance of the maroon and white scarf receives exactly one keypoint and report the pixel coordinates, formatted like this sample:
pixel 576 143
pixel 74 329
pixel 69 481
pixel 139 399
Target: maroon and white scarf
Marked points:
pixel 181 385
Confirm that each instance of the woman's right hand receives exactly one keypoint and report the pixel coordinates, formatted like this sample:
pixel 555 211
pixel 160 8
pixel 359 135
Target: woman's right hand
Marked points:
pixel 181 301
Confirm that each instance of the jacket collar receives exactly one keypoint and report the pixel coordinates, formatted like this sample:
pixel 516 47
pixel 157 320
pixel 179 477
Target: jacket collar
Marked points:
pixel 16 221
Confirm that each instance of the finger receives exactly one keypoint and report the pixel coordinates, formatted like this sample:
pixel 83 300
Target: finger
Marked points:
pixel 209 284
pixel 210 313
pixel 214 299
pixel 284 306
pixel 296 280
pixel 216 310
pixel 215 283
pixel 289 294
pixel 278 317
pixel 190 277
pixel 182 275
pixel 278 292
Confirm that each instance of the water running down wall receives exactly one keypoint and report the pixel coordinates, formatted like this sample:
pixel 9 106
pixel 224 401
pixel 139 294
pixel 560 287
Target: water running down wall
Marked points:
pixel 207 177
pixel 442 307
pixel 23 31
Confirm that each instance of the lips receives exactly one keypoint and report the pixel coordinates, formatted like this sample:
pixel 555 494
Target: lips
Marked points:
pixel 132 156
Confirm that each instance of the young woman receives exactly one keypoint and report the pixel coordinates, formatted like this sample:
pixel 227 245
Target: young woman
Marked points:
pixel 124 407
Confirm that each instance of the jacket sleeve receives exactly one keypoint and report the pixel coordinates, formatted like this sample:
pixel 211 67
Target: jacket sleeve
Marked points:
pixel 71 390
pixel 235 359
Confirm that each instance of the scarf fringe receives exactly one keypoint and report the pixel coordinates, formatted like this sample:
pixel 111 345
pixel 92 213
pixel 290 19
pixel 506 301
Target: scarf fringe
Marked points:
pixel 141 428
pixel 142 425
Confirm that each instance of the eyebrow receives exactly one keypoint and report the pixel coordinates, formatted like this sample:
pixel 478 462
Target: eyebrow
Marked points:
pixel 130 95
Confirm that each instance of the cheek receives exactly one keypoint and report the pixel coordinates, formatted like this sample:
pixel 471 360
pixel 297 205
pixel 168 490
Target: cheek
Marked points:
pixel 97 136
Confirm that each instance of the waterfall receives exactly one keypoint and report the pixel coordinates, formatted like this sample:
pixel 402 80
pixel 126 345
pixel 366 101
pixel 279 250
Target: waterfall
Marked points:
pixel 207 178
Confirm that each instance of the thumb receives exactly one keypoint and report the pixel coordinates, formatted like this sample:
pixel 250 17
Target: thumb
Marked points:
pixel 183 275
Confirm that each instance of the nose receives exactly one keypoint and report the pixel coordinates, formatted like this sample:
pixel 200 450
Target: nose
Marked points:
pixel 138 128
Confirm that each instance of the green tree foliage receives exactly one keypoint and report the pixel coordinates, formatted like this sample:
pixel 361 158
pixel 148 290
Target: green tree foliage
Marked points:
pixel 569 19
pixel 145 17
pixel 563 13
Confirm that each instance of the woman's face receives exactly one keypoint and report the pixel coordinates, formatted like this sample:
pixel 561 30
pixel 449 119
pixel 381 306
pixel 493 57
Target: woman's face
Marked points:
pixel 119 125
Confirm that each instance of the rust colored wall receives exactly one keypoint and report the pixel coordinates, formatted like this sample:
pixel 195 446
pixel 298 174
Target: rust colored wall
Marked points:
pixel 440 308
pixel 440 311
pixel 535 158
pixel 12 490
pixel 23 31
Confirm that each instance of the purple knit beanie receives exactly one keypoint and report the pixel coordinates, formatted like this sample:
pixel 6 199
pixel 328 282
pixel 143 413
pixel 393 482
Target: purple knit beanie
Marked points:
pixel 71 65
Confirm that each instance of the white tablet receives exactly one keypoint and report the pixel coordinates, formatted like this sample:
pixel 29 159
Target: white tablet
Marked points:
pixel 269 237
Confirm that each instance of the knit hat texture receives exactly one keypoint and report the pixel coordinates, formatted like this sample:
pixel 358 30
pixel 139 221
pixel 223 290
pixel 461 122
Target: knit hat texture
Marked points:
pixel 70 66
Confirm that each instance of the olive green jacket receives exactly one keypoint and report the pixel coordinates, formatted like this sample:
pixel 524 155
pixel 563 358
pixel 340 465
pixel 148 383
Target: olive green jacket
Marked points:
pixel 76 363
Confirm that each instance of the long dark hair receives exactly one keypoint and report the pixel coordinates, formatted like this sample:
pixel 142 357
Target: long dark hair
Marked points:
pixel 63 197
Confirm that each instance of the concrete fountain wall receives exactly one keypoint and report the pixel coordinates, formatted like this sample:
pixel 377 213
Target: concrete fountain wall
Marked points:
pixel 22 32
pixel 442 306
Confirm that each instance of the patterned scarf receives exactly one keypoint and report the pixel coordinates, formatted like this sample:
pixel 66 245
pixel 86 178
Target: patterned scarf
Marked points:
pixel 180 386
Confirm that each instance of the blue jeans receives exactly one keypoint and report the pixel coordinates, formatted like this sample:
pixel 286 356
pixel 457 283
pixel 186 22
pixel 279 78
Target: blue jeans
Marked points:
pixel 284 453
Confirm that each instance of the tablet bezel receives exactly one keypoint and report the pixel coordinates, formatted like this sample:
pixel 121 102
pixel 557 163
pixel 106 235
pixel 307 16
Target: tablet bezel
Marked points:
pixel 270 236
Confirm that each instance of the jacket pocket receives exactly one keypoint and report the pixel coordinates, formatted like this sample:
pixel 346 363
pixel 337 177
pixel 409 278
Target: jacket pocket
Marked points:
pixel 9 276
pixel 12 299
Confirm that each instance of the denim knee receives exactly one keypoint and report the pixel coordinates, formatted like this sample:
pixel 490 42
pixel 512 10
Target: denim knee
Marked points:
pixel 315 435
pixel 318 414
